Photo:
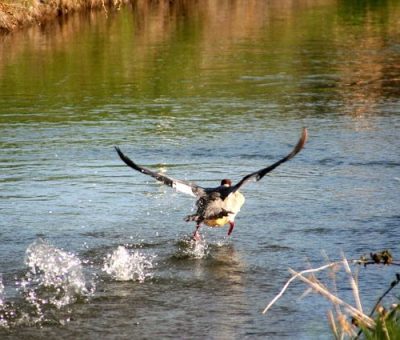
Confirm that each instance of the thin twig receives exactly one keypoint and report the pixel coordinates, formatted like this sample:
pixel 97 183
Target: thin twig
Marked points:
pixel 393 284
pixel 313 270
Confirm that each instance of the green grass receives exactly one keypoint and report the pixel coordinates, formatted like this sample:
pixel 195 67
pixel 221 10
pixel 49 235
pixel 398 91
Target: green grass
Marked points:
pixel 387 325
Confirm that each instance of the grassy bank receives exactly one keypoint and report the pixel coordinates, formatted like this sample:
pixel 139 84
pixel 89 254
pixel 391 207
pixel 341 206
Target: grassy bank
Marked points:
pixel 17 13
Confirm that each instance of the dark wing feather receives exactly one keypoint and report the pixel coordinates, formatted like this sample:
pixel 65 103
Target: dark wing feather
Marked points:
pixel 261 173
pixel 178 185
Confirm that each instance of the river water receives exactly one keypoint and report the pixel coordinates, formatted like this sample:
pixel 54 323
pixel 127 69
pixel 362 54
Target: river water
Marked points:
pixel 201 91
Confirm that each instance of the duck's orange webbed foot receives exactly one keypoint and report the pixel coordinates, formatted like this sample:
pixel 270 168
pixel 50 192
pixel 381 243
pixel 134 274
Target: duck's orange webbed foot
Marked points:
pixel 196 234
pixel 231 226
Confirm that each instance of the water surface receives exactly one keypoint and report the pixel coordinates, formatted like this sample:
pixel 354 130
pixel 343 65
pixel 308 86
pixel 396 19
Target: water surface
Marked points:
pixel 202 91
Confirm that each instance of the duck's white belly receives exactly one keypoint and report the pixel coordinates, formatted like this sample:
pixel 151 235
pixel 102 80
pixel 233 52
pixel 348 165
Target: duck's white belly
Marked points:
pixel 232 203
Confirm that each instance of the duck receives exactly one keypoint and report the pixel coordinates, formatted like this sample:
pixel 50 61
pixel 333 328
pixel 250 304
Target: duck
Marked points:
pixel 217 206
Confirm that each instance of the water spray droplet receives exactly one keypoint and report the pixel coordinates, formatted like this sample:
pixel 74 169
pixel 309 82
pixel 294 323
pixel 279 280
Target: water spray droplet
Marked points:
pixel 124 265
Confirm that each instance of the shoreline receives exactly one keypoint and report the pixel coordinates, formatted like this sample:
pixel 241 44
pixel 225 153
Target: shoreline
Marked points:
pixel 23 13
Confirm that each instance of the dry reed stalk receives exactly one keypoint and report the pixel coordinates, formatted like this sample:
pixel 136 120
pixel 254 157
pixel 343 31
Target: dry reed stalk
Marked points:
pixel 342 326
pixel 314 270
pixel 345 327
pixel 354 286
pixel 335 300
pixel 332 323
pixel 340 316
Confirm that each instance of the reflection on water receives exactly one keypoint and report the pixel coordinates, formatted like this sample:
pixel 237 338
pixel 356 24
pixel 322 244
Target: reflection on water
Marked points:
pixel 201 90
pixel 292 53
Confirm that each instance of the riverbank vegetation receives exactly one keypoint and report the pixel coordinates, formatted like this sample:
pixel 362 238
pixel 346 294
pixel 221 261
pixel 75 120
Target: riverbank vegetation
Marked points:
pixel 345 319
pixel 18 13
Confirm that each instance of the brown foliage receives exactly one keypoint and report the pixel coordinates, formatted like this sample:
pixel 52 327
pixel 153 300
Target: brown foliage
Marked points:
pixel 28 12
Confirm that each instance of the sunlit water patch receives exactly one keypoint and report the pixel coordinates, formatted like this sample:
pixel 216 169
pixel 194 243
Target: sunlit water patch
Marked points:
pixel 125 265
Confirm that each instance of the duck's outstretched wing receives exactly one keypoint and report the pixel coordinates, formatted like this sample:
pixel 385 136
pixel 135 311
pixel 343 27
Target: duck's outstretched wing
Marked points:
pixel 256 176
pixel 181 186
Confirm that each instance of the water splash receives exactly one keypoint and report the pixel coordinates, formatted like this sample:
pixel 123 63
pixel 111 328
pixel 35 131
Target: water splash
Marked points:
pixel 55 277
pixel 3 320
pixel 195 249
pixel 124 265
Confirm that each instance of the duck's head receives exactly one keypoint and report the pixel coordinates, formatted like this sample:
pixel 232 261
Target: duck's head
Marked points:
pixel 226 182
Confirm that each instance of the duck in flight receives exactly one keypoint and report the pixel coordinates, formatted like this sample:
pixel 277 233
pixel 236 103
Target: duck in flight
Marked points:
pixel 218 206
